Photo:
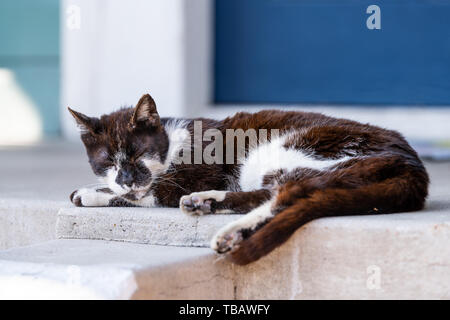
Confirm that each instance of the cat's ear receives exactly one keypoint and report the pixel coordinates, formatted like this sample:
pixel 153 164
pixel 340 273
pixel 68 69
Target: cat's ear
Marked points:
pixel 85 123
pixel 145 113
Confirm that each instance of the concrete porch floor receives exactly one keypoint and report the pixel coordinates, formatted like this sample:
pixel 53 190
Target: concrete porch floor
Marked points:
pixel 328 258
pixel 48 171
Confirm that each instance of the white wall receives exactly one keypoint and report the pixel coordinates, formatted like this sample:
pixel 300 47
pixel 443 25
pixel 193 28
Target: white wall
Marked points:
pixel 126 48
pixel 122 50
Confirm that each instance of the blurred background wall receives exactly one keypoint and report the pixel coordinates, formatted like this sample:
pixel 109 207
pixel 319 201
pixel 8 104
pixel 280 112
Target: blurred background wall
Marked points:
pixel 119 51
pixel 214 57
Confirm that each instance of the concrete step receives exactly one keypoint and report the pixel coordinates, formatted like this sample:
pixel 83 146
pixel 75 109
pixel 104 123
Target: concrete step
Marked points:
pixel 398 256
pixel 93 269
pixel 157 226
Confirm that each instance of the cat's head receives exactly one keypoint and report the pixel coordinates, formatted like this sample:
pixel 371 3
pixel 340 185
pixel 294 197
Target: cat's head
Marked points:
pixel 126 148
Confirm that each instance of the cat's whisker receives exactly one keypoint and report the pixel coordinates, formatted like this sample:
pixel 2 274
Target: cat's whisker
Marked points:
pixel 96 185
pixel 219 258
pixel 169 182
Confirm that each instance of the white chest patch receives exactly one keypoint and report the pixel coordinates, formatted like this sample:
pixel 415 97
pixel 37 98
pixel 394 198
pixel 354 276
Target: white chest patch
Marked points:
pixel 272 156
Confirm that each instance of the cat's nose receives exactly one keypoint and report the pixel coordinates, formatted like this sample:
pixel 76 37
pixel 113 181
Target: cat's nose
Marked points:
pixel 124 177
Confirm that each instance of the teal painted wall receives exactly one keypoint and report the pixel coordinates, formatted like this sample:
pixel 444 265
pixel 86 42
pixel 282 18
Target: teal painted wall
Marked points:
pixel 29 46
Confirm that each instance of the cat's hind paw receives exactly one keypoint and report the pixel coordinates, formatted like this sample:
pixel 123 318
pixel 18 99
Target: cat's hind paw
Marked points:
pixel 226 240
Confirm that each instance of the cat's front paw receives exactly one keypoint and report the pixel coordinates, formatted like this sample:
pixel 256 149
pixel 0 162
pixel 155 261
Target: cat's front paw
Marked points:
pixel 194 205
pixel 200 203
pixel 75 198
pixel 86 197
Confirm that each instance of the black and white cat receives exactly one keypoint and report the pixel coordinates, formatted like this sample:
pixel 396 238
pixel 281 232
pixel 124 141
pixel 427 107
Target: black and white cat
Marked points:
pixel 315 166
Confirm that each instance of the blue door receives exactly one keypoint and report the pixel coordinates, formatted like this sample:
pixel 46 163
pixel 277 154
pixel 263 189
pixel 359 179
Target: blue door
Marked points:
pixel 322 52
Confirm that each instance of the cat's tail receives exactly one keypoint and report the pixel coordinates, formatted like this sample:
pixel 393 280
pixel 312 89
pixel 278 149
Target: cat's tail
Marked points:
pixel 402 193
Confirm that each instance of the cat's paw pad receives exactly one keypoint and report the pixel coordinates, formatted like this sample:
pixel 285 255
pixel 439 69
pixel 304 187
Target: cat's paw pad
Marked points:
pixel 226 241
pixel 196 205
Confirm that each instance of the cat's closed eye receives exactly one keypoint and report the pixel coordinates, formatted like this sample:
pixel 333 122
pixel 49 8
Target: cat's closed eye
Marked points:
pixel 103 155
pixel 101 160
